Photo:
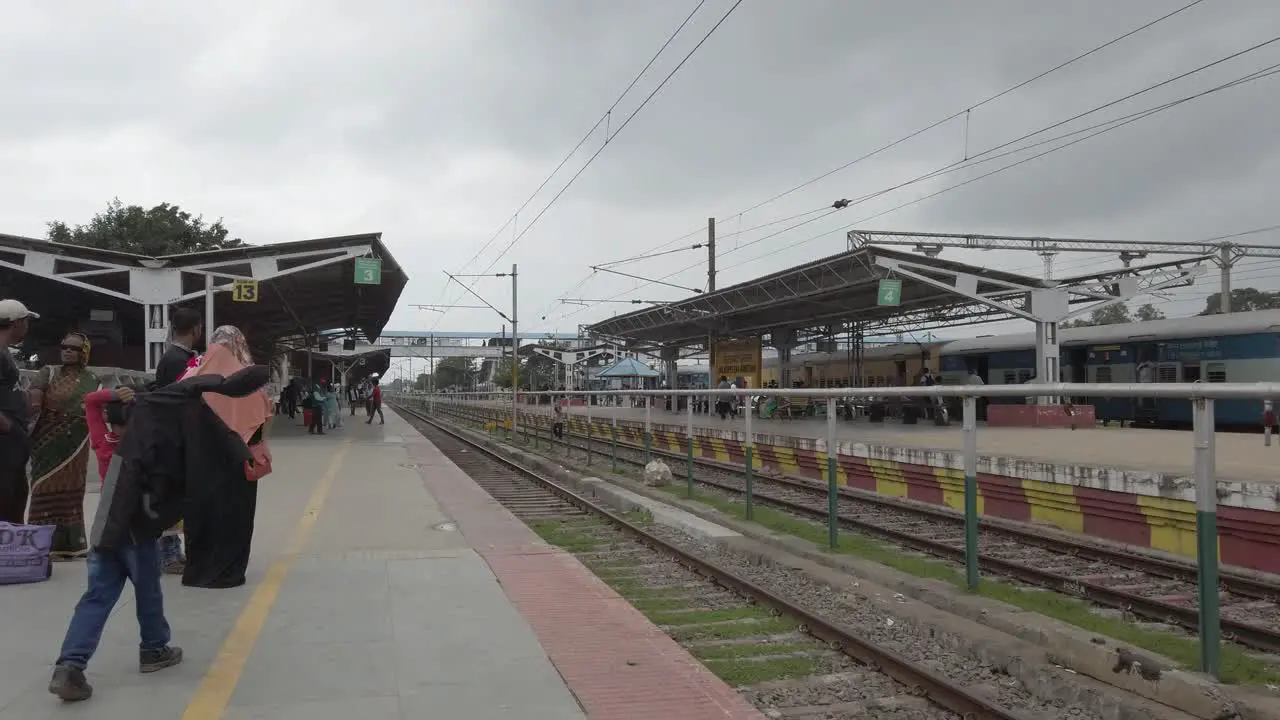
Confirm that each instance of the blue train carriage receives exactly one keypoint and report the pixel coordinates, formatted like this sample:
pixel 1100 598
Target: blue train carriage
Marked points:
pixel 1239 347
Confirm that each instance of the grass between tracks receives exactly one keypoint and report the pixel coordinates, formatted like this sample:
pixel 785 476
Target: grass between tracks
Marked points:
pixel 1238 664
pixel 708 634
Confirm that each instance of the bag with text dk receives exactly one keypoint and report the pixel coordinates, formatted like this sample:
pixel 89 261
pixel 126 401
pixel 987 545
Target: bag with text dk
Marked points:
pixel 24 553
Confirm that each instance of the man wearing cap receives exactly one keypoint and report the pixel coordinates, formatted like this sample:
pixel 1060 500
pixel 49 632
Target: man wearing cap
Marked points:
pixel 15 447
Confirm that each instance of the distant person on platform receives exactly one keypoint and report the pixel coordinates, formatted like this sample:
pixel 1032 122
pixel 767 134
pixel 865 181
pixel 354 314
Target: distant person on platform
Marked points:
pixel 375 403
pixel 722 401
pixel 15 447
pixel 186 328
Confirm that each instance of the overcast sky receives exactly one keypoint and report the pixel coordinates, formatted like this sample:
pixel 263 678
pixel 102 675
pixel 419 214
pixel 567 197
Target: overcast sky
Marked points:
pixel 432 121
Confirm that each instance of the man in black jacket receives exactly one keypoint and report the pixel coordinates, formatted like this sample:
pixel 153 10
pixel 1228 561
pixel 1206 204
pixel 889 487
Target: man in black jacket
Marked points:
pixel 185 330
pixel 169 432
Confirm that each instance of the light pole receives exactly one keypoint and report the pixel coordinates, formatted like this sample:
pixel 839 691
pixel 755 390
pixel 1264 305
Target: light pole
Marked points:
pixel 515 331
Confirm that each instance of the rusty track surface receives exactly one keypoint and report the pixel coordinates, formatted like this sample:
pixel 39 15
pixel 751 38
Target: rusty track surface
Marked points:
pixel 1129 594
pixel 935 687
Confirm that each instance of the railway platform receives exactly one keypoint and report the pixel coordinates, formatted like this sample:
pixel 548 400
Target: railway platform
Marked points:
pixel 1131 486
pixel 384 584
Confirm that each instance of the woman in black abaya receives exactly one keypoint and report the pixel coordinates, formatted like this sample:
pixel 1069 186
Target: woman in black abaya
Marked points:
pixel 221 500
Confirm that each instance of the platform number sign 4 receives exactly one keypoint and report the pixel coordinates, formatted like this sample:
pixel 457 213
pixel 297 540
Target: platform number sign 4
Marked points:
pixel 368 271
pixel 889 292
pixel 244 291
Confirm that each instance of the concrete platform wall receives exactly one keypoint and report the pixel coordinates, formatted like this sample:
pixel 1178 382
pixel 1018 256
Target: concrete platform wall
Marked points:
pixel 1247 537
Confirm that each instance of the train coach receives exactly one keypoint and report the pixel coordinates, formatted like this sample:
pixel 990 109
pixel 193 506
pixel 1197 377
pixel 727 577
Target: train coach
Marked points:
pixel 882 366
pixel 1238 347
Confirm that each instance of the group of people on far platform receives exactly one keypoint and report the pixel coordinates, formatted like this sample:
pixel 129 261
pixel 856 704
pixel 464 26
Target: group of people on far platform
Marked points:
pixel 321 402
pixel 178 459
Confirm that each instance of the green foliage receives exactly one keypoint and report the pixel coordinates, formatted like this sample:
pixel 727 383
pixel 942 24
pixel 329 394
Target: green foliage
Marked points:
pixel 455 372
pixel 422 383
pixel 537 372
pixel 1147 312
pixel 1117 314
pixel 163 230
pixel 1243 300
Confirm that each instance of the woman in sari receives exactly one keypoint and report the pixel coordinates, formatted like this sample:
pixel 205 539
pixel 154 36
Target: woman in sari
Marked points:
pixel 222 501
pixel 60 447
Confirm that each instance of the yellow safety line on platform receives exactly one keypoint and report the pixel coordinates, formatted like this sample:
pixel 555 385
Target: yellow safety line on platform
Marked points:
pixel 220 682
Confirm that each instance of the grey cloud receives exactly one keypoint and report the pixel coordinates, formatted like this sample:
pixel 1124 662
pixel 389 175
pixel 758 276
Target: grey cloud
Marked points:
pixel 433 121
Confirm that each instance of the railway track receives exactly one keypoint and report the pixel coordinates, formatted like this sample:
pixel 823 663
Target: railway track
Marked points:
pixel 788 658
pixel 1148 587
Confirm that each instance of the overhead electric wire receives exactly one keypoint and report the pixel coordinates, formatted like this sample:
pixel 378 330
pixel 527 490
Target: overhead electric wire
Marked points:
pixel 1099 128
pixel 976 105
pixel 617 132
pixel 1107 126
pixel 953 116
pixel 603 119
pixel 1113 125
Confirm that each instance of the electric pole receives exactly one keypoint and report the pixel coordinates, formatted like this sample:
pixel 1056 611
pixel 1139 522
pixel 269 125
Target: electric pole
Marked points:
pixel 711 255
pixel 711 287
pixel 515 356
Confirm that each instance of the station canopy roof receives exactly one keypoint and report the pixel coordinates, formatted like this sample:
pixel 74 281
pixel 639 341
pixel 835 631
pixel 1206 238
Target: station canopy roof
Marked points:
pixel 827 292
pixel 320 294
pixel 305 287
pixel 629 367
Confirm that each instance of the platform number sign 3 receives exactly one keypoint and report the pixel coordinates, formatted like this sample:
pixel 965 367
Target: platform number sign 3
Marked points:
pixel 889 292
pixel 244 291
pixel 368 271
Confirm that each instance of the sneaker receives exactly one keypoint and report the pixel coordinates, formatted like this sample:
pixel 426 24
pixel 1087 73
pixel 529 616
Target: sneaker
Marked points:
pixel 150 661
pixel 176 567
pixel 69 684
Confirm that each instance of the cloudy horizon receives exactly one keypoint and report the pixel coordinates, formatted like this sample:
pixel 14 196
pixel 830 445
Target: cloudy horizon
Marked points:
pixel 433 123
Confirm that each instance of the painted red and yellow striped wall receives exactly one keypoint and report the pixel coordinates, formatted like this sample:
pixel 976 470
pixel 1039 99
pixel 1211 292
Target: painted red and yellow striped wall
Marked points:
pixel 1246 537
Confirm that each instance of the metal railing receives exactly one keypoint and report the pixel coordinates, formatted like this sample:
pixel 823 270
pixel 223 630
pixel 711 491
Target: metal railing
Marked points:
pixel 110 376
pixel 1201 396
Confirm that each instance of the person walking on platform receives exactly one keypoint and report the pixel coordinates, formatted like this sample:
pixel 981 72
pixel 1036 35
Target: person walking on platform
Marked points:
pixel 186 331
pixel 15 447
pixel 313 402
pixel 723 407
pixel 144 491
pixel 106 417
pixel 332 410
pixel 223 496
pixel 60 447
pixel 375 403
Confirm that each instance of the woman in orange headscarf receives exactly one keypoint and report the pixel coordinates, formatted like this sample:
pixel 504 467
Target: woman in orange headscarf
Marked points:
pixel 219 518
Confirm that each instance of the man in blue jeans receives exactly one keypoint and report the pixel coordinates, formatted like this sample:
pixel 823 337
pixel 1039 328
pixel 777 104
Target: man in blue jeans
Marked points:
pixel 108 571
pixel 138 560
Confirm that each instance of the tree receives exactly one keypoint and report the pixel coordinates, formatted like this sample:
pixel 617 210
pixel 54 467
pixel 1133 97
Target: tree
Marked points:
pixel 502 374
pixel 1109 315
pixel 455 372
pixel 1243 300
pixel 423 382
pixel 1147 312
pixel 163 230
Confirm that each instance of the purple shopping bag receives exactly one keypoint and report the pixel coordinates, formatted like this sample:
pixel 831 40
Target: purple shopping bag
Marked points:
pixel 24 553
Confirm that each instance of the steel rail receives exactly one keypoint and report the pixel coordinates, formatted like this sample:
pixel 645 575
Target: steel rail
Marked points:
pixel 1253 636
pixel 933 686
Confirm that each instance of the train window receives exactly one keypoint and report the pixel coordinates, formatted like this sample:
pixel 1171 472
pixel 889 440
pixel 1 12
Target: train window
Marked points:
pixel 1167 374
pixel 1103 374
pixel 1216 372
